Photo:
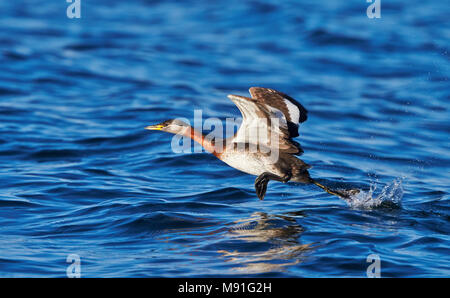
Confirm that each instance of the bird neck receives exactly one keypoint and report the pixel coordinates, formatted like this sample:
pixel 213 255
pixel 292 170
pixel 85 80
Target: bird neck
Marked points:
pixel 202 140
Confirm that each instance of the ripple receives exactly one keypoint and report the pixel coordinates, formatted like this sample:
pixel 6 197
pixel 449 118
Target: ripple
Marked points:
pixel 17 203
pixel 227 194
pixel 49 154
pixel 157 222
pixel 324 37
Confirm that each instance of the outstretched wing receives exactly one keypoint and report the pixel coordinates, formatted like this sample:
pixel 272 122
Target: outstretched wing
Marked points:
pixel 269 115
pixel 294 112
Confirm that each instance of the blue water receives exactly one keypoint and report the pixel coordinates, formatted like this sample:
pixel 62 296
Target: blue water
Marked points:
pixel 80 175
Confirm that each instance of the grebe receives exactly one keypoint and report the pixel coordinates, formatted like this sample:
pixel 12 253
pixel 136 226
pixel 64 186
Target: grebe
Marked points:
pixel 261 110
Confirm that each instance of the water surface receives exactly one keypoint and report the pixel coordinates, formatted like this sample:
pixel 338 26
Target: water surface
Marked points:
pixel 80 175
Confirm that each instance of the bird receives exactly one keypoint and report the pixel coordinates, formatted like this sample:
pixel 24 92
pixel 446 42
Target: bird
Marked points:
pixel 279 116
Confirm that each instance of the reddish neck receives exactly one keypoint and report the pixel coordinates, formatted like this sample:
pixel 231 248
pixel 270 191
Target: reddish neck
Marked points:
pixel 200 138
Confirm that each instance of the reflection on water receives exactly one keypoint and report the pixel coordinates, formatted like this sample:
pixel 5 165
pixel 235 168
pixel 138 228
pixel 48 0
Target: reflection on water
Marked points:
pixel 282 234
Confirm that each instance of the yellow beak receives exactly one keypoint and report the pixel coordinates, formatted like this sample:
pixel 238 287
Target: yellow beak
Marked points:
pixel 155 127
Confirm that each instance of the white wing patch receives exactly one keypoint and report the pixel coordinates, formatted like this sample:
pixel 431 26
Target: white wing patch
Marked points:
pixel 294 112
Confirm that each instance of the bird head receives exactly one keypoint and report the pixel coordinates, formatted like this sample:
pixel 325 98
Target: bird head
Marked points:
pixel 174 126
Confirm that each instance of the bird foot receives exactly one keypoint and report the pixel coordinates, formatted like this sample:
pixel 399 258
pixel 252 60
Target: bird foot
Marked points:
pixel 261 186
pixel 262 180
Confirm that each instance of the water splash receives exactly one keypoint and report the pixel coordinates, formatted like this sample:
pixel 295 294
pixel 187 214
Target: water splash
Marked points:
pixel 389 197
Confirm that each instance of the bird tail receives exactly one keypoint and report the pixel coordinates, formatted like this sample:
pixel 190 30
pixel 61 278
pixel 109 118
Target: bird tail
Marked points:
pixel 330 191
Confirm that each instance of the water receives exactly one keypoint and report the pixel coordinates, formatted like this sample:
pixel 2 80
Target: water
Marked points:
pixel 80 175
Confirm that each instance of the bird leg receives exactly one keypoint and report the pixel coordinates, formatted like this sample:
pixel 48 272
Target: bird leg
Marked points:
pixel 262 180
pixel 330 191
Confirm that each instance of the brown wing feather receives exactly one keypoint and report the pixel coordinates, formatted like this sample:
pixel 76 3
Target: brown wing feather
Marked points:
pixel 281 101
pixel 293 111
pixel 252 108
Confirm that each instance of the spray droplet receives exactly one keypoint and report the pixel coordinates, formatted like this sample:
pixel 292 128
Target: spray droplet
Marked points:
pixel 390 196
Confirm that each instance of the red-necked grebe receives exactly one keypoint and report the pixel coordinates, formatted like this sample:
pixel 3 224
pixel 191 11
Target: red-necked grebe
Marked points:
pixel 263 107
